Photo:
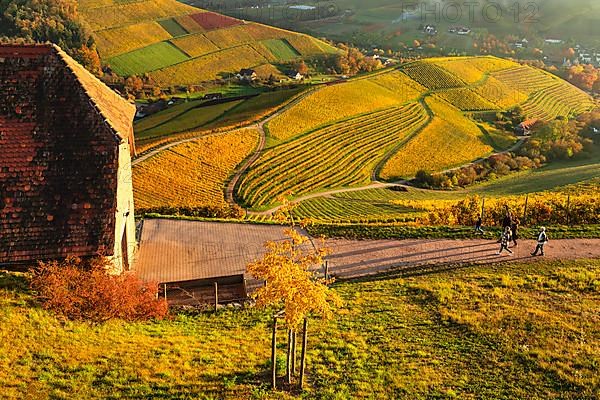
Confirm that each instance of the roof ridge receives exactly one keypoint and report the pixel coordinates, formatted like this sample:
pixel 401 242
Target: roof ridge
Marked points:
pixel 83 76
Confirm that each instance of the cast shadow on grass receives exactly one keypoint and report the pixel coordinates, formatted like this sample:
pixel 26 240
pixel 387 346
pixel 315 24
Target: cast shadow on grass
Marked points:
pixel 14 282
pixel 219 386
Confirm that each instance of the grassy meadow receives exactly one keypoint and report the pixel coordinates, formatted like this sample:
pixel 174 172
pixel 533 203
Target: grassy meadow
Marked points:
pixel 498 332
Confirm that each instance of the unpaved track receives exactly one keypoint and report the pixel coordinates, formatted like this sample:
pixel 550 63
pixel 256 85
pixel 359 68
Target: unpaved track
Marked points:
pixel 186 250
pixel 353 259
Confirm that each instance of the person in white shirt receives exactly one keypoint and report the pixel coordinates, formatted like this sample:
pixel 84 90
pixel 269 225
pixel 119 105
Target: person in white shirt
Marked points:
pixel 541 241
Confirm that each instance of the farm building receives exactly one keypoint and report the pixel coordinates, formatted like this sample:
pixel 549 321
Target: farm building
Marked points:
pixel 525 127
pixel 247 75
pixel 66 142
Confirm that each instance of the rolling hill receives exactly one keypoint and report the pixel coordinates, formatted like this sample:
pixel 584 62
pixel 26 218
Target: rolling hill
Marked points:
pixel 176 44
pixel 383 126
pixel 392 124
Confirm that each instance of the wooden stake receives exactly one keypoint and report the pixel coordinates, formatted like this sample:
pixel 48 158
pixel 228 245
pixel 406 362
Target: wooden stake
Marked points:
pixel 525 211
pixel 326 269
pixel 569 210
pixel 303 356
pixel 482 210
pixel 274 355
pixel 216 296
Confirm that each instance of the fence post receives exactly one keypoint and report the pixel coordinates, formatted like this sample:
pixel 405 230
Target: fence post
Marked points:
pixel 326 269
pixel 482 209
pixel 216 296
pixel 525 210
pixel 569 210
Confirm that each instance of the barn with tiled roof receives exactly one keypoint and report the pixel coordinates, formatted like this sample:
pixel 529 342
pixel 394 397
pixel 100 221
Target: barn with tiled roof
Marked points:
pixel 66 142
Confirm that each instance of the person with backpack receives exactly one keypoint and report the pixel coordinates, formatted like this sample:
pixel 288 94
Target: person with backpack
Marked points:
pixel 515 230
pixel 504 240
pixel 478 225
pixel 541 241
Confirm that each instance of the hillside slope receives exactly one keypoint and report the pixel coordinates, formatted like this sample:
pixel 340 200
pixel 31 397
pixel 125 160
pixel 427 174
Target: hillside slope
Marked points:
pixel 177 44
pixel 362 117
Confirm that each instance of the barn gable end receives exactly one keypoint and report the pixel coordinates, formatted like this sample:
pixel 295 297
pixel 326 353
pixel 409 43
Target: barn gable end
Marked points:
pixel 65 187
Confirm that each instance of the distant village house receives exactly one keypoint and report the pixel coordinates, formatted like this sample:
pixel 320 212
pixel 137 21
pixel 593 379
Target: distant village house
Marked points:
pixel 66 142
pixel 247 75
pixel 295 75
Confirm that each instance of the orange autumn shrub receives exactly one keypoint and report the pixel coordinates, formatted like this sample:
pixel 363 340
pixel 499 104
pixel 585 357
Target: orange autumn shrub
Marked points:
pixel 84 290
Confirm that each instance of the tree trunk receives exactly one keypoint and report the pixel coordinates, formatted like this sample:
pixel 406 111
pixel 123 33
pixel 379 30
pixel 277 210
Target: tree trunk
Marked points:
pixel 294 336
pixel 274 355
pixel 288 368
pixel 303 356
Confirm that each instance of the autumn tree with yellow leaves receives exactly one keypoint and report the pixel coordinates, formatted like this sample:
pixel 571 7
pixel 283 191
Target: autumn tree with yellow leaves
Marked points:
pixel 289 270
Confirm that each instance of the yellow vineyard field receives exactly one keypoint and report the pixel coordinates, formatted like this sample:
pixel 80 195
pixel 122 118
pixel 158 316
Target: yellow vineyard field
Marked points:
pixel 112 42
pixel 195 45
pixel 525 79
pixel 338 102
pixel 500 94
pixel 229 37
pixel 449 140
pixel 210 67
pixel 463 69
pixel 189 24
pixel 192 174
pixel 119 14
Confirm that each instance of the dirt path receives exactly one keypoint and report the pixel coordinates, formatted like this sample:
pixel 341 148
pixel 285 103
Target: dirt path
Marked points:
pixel 172 251
pixel 230 190
pixel 356 259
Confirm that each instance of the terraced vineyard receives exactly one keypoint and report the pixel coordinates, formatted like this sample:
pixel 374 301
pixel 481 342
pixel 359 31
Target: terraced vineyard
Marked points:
pixel 344 100
pixel 560 99
pixel 192 174
pixel 373 205
pixel 500 94
pixel 449 141
pixel 525 79
pixel 431 76
pixel 177 44
pixel 466 100
pixel 352 149
pixel 386 124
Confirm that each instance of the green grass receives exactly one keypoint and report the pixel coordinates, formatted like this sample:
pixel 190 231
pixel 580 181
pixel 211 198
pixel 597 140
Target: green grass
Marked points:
pixel 164 116
pixel 281 49
pixel 255 106
pixel 173 27
pixel 149 58
pixel 519 331
pixel 189 120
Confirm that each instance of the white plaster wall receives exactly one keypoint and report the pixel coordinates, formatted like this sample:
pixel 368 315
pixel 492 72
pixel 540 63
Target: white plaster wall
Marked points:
pixel 125 213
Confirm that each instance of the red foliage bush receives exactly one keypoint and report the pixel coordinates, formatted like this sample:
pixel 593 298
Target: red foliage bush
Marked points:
pixel 85 291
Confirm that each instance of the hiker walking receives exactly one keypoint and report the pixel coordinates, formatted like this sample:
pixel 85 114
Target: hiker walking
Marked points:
pixel 515 230
pixel 504 240
pixel 478 225
pixel 541 241
pixel 507 221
